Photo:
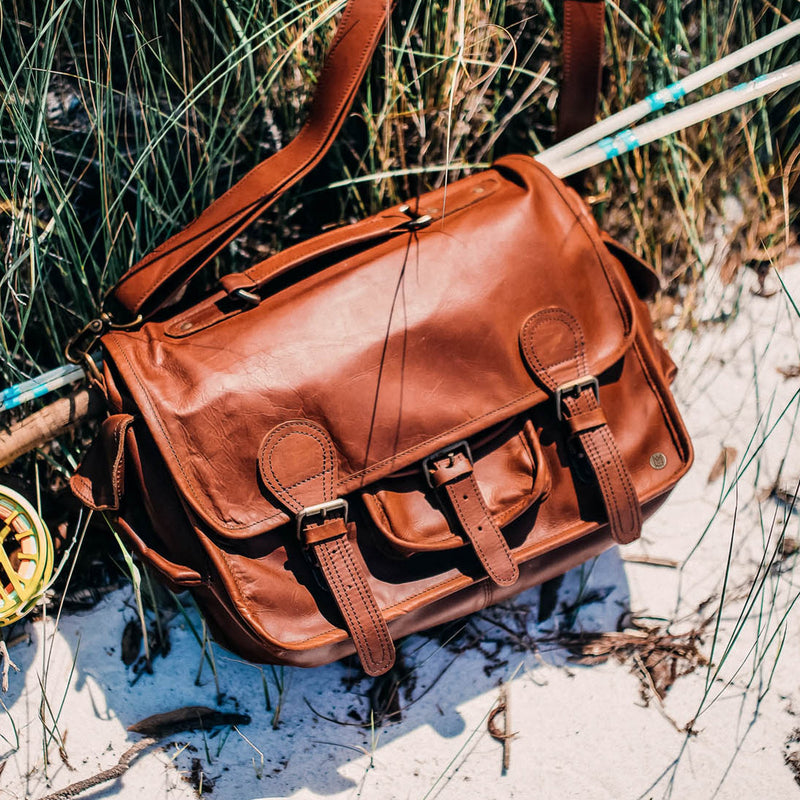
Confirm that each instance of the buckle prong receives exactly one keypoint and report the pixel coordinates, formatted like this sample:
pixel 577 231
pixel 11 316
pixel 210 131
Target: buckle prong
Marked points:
pixel 417 221
pixel 448 452
pixel 323 511
pixel 251 298
pixel 574 389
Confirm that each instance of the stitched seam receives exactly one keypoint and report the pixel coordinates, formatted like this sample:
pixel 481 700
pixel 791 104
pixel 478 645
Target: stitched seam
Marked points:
pixel 473 538
pixel 351 617
pixel 563 317
pixel 657 392
pixel 81 487
pixel 598 44
pixel 615 463
pixel 591 448
pixel 613 460
pixel 378 622
pixel 350 613
pixel 567 46
pixel 116 465
pixel 606 486
pixel 504 549
pixel 327 455
pixel 624 476
pixel 118 475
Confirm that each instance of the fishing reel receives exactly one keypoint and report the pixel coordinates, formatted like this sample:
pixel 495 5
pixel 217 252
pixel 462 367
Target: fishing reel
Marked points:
pixel 26 556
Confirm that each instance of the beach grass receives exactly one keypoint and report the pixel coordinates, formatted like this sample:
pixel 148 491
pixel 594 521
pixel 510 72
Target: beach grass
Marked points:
pixel 119 122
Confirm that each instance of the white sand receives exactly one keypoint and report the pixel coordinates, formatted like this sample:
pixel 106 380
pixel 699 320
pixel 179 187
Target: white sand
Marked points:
pixel 583 731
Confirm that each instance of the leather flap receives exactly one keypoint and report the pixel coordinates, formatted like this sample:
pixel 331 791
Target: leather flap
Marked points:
pixel 395 351
pixel 100 480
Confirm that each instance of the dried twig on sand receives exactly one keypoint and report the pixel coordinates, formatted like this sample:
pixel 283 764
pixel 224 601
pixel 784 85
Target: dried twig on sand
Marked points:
pixel 107 774
pixel 661 658
pixel 157 727
pixel 506 735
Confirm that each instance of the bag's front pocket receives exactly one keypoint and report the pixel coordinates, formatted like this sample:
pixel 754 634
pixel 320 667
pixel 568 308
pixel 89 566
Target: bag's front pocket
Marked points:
pixel 414 516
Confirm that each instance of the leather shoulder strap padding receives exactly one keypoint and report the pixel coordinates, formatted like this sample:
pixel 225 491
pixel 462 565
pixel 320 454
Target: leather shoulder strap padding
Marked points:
pixel 452 473
pixel 552 341
pixel 582 59
pixel 153 280
pixel 298 464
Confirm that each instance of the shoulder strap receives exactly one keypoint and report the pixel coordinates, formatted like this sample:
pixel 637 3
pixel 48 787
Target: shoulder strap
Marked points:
pixel 151 282
pixel 582 59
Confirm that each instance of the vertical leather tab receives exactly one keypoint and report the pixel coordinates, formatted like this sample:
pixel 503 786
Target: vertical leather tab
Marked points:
pixel 552 342
pixel 582 59
pixel 298 464
pixel 99 482
pixel 335 549
pixel 452 473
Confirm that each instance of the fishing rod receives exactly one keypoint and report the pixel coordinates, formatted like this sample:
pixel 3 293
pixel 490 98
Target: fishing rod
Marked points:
pixel 669 94
pixel 42 385
pixel 631 138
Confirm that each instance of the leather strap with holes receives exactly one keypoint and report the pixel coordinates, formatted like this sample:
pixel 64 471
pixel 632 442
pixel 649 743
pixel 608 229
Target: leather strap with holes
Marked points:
pixel 452 474
pixel 552 341
pixel 298 464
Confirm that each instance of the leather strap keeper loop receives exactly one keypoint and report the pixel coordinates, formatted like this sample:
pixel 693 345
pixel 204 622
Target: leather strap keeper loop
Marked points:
pixel 586 420
pixel 236 282
pixel 330 529
pixel 447 469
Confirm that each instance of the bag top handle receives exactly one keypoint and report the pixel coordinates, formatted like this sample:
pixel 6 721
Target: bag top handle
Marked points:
pixel 155 279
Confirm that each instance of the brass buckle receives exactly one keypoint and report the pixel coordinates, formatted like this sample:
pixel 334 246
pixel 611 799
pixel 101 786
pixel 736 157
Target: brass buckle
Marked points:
pixel 446 452
pixel 574 389
pixel 323 511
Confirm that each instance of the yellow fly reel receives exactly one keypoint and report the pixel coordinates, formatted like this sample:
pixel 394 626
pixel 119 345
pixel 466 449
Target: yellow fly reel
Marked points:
pixel 26 556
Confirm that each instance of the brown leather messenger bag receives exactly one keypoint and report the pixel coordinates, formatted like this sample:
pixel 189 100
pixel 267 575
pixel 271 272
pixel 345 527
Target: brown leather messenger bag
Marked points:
pixel 397 422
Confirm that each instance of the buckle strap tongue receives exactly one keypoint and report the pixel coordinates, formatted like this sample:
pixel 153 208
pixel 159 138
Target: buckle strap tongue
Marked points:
pixel 298 464
pixel 450 471
pixel 332 546
pixel 553 344
pixel 616 486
